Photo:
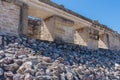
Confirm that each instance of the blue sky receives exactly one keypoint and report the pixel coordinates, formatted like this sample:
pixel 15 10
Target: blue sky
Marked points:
pixel 105 11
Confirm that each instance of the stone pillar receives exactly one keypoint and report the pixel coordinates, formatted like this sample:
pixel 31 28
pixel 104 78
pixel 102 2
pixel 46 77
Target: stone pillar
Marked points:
pixel 104 41
pixel 23 20
pixel 93 38
pixel 64 29
pixel 57 28
pixel 81 36
pixel 47 29
pixel 87 37
pixel 114 41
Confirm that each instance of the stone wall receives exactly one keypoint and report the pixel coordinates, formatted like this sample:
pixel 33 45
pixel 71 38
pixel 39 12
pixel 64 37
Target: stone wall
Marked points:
pixel 114 41
pixel 79 37
pixel 64 30
pixel 14 20
pixel 56 29
pixel 103 41
pixel 9 18
pixel 83 36
pixel 47 30
pixel 59 29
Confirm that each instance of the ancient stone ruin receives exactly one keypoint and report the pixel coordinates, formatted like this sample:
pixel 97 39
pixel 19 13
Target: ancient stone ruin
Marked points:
pixel 40 40
pixel 45 20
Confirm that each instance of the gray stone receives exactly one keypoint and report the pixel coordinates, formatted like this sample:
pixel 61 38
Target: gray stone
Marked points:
pixel 25 66
pixel 69 76
pixel 8 74
pixel 18 77
pixel 22 56
pixel 8 60
pixel 63 76
pixel 43 78
pixel 1 72
pixel 11 67
pixel 28 77
pixel 18 61
pixel 47 59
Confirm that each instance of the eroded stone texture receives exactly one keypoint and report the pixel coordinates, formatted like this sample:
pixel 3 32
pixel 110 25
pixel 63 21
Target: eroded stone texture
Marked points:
pixel 22 60
pixel 54 27
pixel 64 29
pixel 9 18
pixel 114 41
pixel 103 41
pixel 60 29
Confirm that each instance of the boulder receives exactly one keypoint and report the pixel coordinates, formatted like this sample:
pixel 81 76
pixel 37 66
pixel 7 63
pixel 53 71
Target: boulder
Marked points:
pixel 8 74
pixel 18 77
pixel 47 59
pixel 11 67
pixel 1 72
pixel 8 60
pixel 28 77
pixel 25 66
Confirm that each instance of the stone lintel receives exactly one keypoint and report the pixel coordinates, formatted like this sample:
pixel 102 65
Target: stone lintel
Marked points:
pixel 61 20
pixel 16 2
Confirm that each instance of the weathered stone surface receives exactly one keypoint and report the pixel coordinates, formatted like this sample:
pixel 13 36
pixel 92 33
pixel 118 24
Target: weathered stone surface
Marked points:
pixel 8 60
pixel 23 58
pixel 8 74
pixel 54 27
pixel 47 59
pixel 25 66
pixel 18 77
pixel 9 22
pixel 28 77
pixel 1 72
pixel 57 61
pixel 11 67
pixel 2 55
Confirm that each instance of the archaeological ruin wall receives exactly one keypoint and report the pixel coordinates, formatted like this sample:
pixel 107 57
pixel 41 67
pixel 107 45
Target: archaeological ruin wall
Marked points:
pixel 52 22
pixel 13 17
pixel 9 18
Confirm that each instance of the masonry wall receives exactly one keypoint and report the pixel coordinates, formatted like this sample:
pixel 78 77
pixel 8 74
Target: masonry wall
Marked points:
pixel 34 31
pixel 64 30
pixel 114 41
pixel 79 36
pixel 9 18
pixel 56 29
pixel 103 41
pixel 47 29
pixel 83 37
pixel 59 29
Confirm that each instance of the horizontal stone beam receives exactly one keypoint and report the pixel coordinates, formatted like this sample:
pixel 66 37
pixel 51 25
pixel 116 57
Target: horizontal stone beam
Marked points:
pixel 55 11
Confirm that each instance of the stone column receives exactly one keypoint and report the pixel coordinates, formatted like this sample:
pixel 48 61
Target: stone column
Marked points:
pixel 23 29
pixel 93 38
pixel 104 41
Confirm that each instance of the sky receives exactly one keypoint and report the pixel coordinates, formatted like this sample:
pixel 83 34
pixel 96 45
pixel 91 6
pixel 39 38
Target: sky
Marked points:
pixel 105 11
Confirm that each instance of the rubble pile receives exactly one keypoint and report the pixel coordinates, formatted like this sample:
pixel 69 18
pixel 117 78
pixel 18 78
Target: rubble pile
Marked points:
pixel 22 58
